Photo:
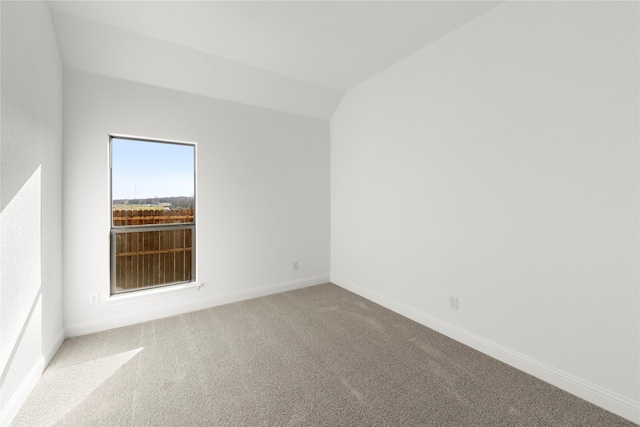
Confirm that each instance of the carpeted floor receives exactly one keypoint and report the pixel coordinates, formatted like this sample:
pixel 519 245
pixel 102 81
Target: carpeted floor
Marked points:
pixel 319 356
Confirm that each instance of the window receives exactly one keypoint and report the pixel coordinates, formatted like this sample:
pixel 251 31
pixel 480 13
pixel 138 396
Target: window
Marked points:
pixel 152 213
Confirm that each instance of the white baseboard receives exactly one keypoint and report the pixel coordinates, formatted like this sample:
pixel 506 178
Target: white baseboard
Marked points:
pixel 172 309
pixel 15 403
pixel 592 393
pixel 53 349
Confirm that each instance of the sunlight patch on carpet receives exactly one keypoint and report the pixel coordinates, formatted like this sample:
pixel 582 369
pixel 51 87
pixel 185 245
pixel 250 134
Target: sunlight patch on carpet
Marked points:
pixel 81 380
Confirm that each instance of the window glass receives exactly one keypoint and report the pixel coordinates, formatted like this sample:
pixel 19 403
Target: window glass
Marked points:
pixel 152 211
pixel 151 176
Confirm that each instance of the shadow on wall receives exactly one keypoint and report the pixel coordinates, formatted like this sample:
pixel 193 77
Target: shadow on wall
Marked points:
pixel 20 286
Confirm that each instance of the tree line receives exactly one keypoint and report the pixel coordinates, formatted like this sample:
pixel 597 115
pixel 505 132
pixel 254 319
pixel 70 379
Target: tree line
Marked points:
pixel 177 202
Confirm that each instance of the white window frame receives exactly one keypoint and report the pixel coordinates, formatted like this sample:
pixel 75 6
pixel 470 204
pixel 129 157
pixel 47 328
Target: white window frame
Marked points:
pixel 117 229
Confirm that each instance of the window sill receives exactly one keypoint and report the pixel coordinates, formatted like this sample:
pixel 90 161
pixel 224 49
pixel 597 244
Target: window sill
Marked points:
pixel 154 293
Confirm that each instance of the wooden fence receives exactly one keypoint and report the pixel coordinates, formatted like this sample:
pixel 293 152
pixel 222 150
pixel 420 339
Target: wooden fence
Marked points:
pixel 147 258
pixel 142 217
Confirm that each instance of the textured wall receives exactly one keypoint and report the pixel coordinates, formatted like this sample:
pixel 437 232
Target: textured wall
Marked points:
pixel 31 195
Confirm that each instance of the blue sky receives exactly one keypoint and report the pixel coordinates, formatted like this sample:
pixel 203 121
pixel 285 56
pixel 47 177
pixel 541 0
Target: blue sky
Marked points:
pixel 143 169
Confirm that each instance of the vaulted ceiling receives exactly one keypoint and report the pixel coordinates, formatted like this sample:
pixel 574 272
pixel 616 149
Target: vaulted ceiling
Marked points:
pixel 293 56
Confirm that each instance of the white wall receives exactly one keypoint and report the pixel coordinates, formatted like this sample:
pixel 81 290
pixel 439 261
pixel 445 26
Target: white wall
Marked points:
pixel 31 197
pixel 262 196
pixel 500 165
pixel 87 45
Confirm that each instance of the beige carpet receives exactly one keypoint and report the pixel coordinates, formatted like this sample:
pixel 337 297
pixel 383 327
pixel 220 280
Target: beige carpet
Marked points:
pixel 319 356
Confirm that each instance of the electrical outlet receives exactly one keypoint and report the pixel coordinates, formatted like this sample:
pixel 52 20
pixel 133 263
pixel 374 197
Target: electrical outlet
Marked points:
pixel 295 265
pixel 453 303
pixel 93 298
